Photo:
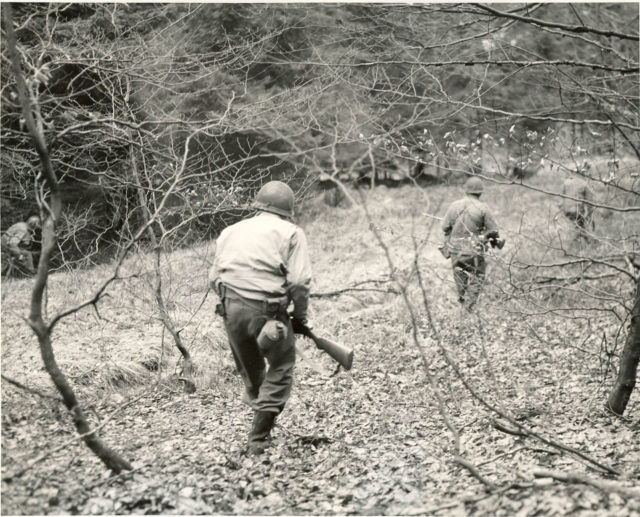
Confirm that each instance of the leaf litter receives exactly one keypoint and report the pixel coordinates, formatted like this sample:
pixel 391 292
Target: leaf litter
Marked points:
pixel 365 442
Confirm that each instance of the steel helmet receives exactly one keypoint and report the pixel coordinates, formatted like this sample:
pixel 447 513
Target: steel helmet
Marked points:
pixel 275 197
pixel 473 186
pixel 33 222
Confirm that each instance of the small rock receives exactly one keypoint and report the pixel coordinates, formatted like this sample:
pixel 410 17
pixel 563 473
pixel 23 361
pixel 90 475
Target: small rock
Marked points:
pixel 187 506
pixel 99 506
pixel 273 499
pixel 187 492
pixel 117 399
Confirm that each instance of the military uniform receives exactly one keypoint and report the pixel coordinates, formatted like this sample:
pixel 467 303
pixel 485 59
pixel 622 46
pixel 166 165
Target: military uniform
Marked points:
pixel 261 265
pixel 16 242
pixel 467 226
pixel 576 209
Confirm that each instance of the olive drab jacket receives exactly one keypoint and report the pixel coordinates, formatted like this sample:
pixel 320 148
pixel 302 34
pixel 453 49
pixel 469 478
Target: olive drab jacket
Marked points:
pixel 578 189
pixel 264 257
pixel 19 236
pixel 465 224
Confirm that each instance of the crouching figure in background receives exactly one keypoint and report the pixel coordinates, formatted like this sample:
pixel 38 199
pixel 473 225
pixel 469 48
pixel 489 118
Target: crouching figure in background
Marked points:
pixel 261 265
pixel 17 252
pixel 576 206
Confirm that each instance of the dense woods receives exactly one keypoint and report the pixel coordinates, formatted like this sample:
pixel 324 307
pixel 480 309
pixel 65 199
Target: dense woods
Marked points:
pixel 137 132
pixel 299 92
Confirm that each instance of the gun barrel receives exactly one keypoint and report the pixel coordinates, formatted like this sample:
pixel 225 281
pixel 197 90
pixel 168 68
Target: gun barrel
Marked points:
pixel 338 352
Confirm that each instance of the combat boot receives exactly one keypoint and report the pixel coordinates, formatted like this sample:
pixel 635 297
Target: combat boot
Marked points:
pixel 263 422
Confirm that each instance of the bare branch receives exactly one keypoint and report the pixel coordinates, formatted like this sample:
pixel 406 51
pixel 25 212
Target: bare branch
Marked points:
pixel 568 28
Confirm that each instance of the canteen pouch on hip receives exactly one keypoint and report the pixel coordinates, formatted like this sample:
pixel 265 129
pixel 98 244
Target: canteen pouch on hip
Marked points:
pixel 272 333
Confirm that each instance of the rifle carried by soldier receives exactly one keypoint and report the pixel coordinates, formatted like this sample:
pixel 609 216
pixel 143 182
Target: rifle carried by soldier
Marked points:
pixel 339 353
pixel 494 239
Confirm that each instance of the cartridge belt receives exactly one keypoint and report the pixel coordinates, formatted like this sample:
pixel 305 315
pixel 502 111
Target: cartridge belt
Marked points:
pixel 267 305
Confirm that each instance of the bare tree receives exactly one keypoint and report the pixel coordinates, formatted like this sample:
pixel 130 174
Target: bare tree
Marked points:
pixel 51 207
pixel 629 359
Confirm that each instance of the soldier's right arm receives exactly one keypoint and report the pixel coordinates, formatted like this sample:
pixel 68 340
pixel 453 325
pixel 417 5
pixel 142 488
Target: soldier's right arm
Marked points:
pixel 13 238
pixel 490 224
pixel 587 193
pixel 449 220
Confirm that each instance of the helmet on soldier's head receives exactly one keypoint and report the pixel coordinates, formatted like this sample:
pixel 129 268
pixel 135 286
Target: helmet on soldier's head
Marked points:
pixel 473 186
pixel 275 197
pixel 33 222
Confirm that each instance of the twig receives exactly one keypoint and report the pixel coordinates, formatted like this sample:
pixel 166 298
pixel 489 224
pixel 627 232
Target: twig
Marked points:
pixel 520 428
pixel 350 289
pixel 496 458
pixel 491 407
pixel 468 500
pixel 572 280
pixel 442 409
pixel 474 472
pixel 602 484
pixel 31 390
pixel 194 314
pixel 506 428
pixel 111 479
pixel 44 456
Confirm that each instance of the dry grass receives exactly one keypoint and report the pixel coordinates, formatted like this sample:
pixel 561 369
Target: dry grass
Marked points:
pixel 110 347
pixel 387 442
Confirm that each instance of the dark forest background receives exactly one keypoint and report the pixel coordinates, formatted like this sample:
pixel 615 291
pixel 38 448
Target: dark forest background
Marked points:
pixel 314 94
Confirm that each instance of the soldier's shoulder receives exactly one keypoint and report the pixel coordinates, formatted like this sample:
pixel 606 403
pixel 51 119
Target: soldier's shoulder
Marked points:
pixel 476 204
pixel 18 227
pixel 231 228
pixel 458 203
pixel 292 227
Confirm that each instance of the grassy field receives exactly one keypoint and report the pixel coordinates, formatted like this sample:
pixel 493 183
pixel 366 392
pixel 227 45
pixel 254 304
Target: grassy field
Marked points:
pixel 367 442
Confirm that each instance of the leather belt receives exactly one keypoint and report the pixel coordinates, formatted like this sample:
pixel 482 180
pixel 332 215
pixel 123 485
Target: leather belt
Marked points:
pixel 267 305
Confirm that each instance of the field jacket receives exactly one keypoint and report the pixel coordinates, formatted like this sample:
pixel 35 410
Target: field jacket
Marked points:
pixel 465 224
pixel 17 238
pixel 579 190
pixel 264 257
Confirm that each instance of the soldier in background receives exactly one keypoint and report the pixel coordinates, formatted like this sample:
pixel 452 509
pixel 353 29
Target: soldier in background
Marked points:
pixel 261 265
pixel 17 244
pixel 575 209
pixel 468 226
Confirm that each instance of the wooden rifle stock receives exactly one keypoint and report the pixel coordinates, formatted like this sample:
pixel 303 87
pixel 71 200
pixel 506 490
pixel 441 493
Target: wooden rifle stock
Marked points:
pixel 338 352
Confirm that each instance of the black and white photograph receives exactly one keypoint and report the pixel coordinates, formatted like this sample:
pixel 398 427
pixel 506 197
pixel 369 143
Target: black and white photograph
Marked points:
pixel 320 258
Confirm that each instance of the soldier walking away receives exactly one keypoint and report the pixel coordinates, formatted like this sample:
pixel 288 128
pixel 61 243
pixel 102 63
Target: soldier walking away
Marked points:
pixel 17 242
pixel 468 227
pixel 575 209
pixel 261 265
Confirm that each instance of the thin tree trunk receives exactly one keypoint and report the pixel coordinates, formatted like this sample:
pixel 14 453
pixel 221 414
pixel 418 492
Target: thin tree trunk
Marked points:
pixel 628 370
pixel 187 368
pixel 110 458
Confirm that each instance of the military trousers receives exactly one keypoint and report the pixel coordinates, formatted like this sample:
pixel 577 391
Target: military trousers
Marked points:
pixel 469 273
pixel 17 262
pixel 582 218
pixel 267 389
